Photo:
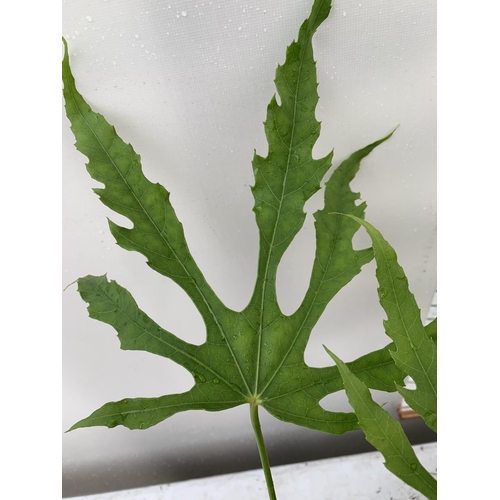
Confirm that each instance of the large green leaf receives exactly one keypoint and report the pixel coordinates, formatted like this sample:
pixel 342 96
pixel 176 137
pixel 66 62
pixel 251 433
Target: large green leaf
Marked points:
pixel 416 346
pixel 254 356
pixel 386 434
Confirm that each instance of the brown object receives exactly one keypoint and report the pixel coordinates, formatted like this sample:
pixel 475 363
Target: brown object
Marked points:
pixel 406 412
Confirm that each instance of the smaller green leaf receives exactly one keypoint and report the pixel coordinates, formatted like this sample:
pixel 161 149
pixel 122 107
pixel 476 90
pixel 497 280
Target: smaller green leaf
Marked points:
pixel 416 350
pixel 386 434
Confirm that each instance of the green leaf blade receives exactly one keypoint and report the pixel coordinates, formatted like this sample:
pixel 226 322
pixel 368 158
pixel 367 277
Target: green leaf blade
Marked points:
pixel 303 409
pixel 142 413
pixel 114 305
pixel 416 352
pixel 336 262
pixel 256 355
pixel 386 434
pixel 289 175
pixel 298 389
pixel 377 370
pixel 156 232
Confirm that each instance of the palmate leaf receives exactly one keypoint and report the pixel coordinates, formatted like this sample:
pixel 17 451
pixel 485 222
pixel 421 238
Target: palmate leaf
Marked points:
pixel 386 434
pixel 416 345
pixel 254 356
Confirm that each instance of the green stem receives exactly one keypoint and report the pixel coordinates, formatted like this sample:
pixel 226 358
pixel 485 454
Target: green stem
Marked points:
pixel 254 416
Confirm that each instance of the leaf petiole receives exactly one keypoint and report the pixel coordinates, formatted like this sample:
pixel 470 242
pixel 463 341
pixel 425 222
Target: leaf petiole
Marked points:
pixel 254 416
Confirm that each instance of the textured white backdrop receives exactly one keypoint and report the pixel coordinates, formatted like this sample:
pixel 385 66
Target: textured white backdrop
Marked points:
pixel 187 84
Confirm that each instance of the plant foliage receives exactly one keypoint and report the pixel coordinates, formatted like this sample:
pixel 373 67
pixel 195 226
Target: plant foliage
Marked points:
pixel 386 434
pixel 415 353
pixel 256 355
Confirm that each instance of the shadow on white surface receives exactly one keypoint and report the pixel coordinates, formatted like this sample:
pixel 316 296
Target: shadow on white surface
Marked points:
pixel 360 477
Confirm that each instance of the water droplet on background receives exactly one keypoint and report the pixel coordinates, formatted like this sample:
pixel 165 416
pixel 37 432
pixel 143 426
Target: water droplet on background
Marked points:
pixel 89 19
pixel 184 13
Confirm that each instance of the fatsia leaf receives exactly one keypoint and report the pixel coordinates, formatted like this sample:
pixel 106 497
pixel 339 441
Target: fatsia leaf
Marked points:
pixel 416 349
pixel 386 434
pixel 254 356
